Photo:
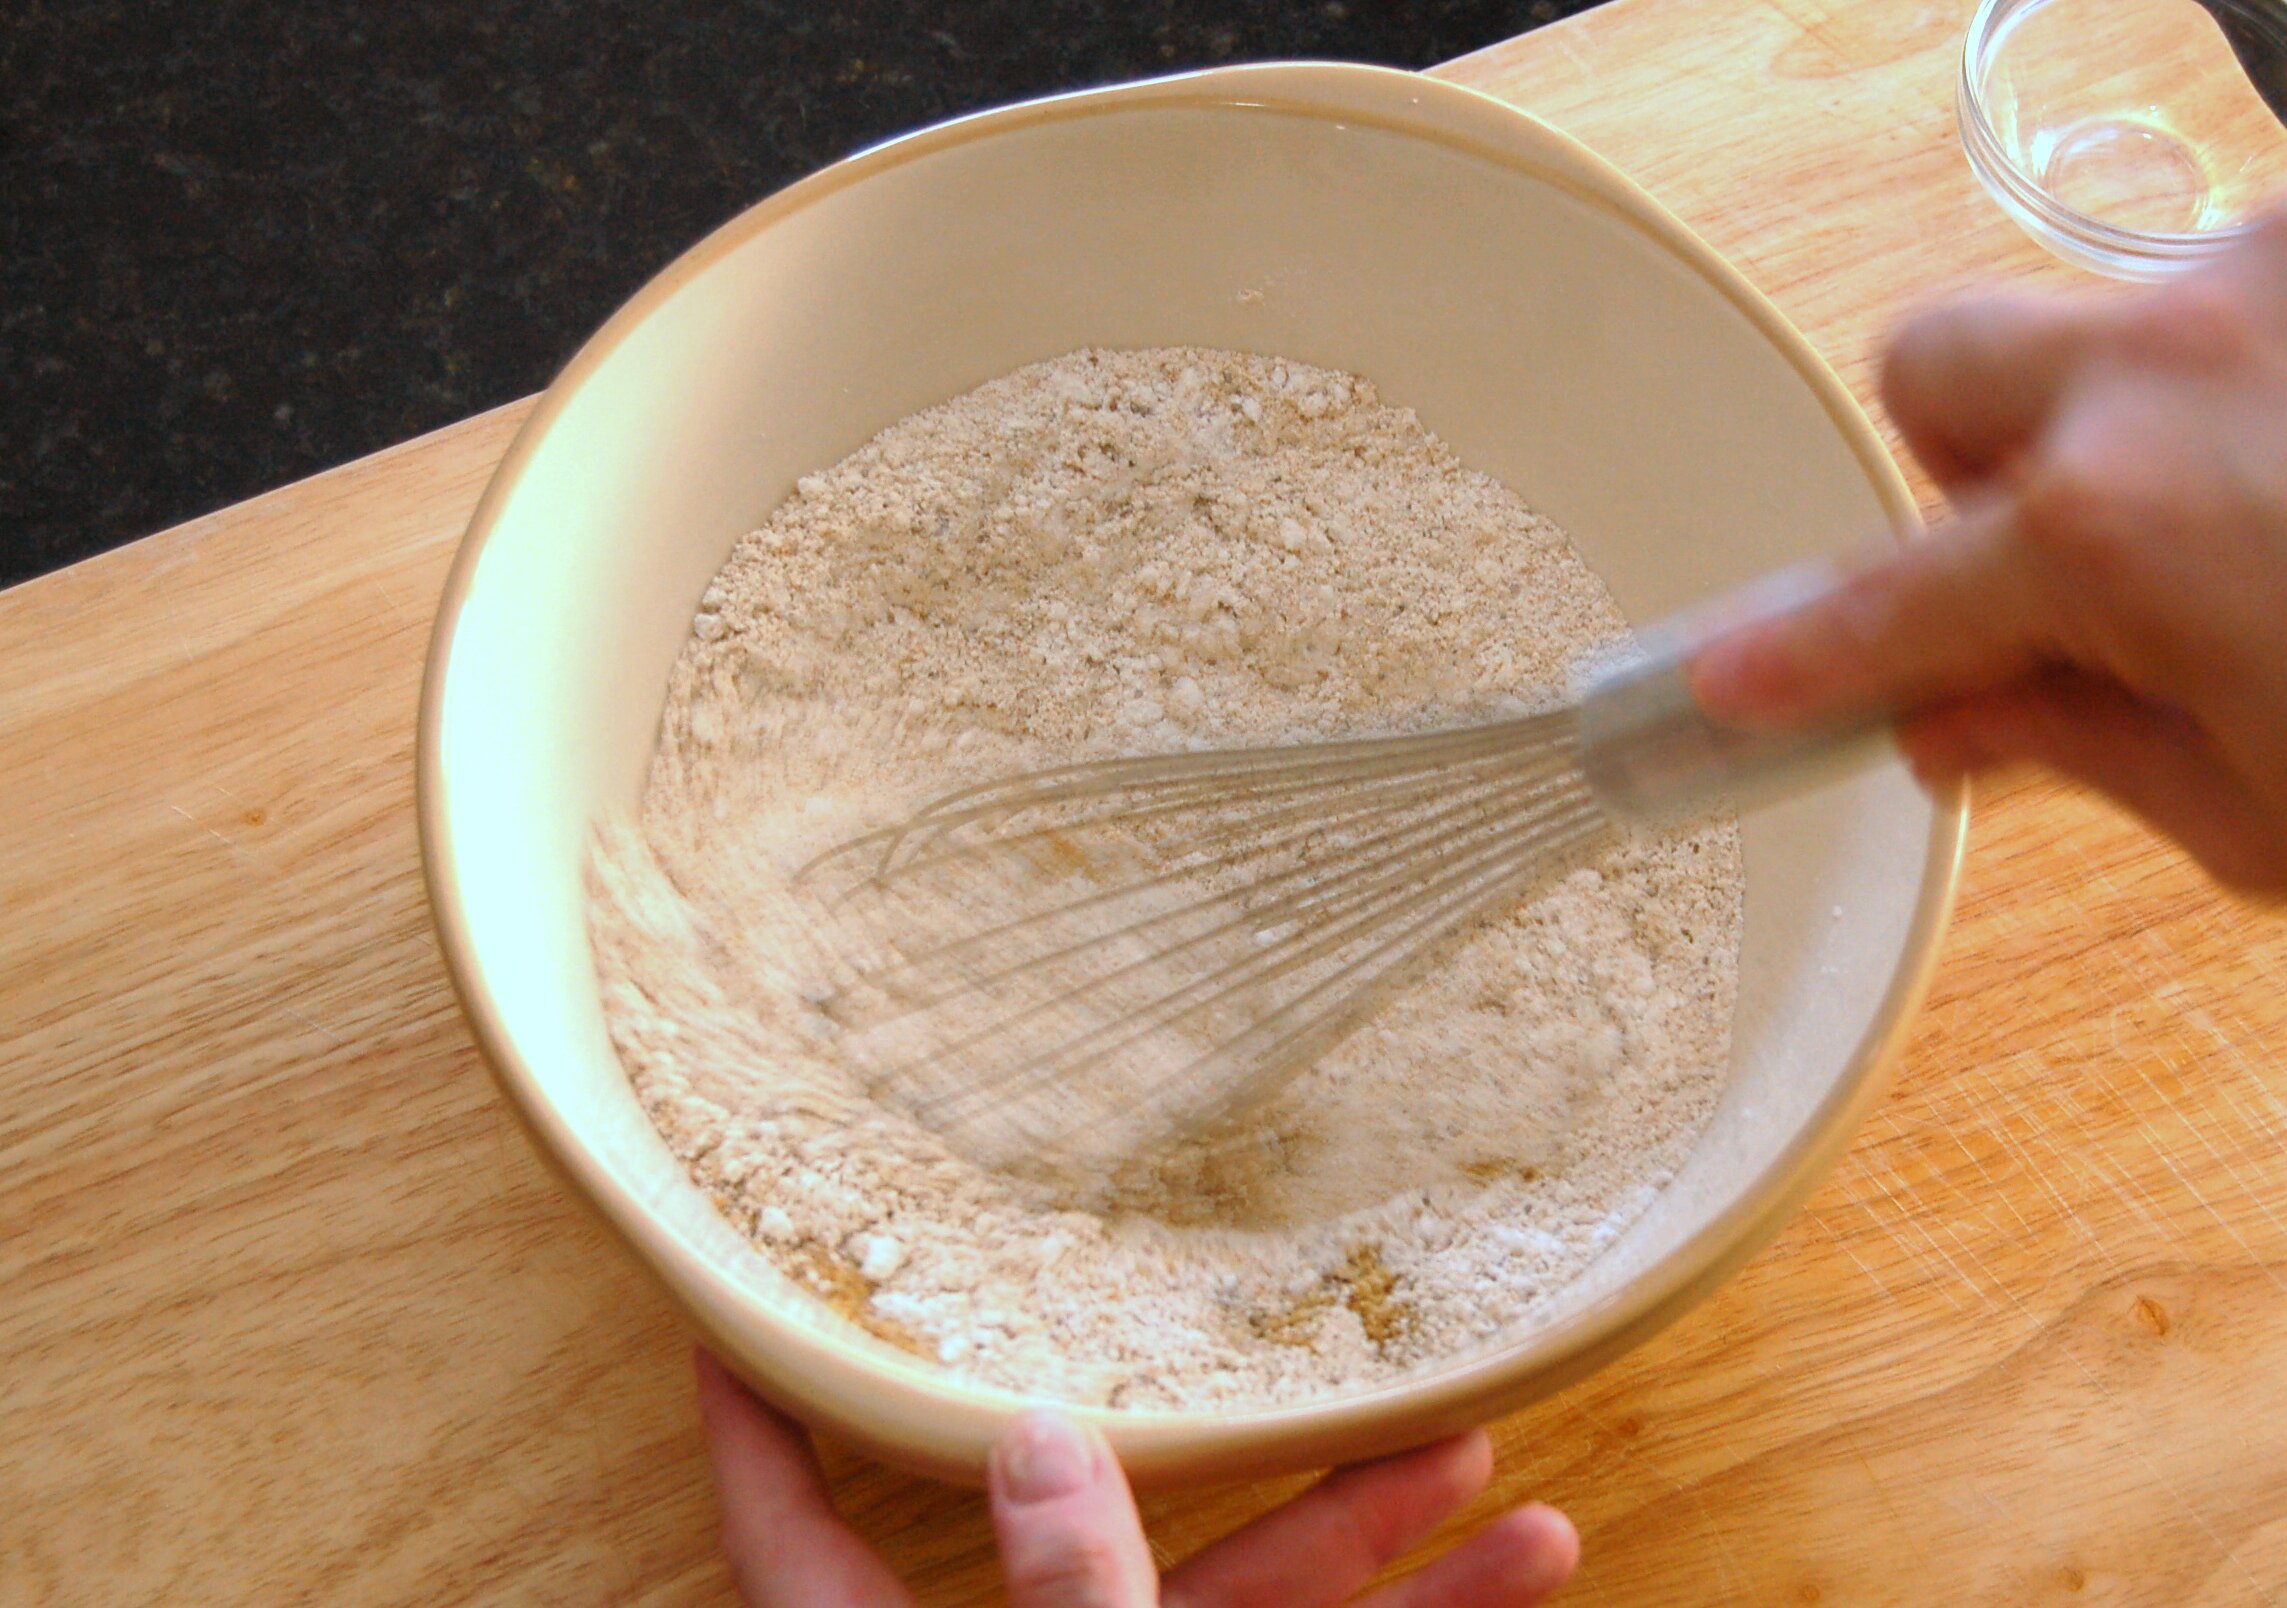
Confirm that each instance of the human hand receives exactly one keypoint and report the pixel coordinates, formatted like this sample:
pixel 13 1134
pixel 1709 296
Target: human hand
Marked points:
pixel 1070 1537
pixel 2111 599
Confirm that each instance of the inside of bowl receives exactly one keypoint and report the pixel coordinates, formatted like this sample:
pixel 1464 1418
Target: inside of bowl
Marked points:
pixel 1552 339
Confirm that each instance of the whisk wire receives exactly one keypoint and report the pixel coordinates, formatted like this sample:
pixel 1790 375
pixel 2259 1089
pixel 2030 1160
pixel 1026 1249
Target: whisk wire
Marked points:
pixel 1351 862
pixel 1158 944
pixel 1218 772
pixel 1364 992
pixel 1448 902
pixel 1348 892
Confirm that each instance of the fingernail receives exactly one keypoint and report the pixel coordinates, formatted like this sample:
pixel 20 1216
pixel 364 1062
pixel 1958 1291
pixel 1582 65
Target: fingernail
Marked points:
pixel 1041 1456
pixel 1551 1549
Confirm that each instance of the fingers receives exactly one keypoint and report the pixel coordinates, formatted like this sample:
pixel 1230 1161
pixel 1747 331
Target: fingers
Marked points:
pixel 1520 1559
pixel 1973 382
pixel 785 1543
pixel 1941 618
pixel 2247 286
pixel 2152 759
pixel 1069 1534
pixel 1337 1535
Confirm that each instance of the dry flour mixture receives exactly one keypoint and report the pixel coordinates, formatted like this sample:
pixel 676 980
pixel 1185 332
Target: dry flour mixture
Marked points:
pixel 1123 551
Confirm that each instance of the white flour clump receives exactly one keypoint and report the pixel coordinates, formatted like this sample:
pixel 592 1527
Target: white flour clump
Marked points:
pixel 1119 552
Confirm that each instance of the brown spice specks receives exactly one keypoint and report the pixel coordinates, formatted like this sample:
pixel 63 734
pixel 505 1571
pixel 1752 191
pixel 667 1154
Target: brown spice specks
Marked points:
pixel 1364 1284
pixel 1491 1169
pixel 1369 1289
pixel 835 1280
pixel 1295 1325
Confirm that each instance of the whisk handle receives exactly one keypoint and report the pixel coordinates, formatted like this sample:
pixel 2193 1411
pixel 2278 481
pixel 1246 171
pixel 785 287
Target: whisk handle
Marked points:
pixel 1651 753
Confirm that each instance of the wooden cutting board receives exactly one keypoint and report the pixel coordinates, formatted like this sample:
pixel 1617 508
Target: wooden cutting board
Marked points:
pixel 288 1311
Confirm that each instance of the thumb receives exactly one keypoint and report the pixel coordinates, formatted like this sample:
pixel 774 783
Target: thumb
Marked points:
pixel 1945 617
pixel 1068 1529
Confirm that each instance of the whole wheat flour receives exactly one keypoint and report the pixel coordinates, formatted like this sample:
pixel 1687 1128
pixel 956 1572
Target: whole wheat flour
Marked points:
pixel 1125 551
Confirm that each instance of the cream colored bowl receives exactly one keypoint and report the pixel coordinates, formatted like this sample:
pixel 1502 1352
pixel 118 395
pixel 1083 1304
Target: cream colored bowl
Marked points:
pixel 1541 313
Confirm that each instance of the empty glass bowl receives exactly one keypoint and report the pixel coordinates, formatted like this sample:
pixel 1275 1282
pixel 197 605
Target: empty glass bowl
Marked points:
pixel 2129 136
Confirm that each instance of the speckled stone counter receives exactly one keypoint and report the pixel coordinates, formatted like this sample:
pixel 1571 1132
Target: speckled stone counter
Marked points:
pixel 241 243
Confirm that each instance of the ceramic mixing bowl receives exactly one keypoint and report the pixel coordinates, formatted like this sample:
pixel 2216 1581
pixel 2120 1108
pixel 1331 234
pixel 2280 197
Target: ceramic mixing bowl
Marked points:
pixel 1540 312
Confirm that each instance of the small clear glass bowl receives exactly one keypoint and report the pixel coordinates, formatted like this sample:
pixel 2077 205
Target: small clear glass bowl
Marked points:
pixel 2125 135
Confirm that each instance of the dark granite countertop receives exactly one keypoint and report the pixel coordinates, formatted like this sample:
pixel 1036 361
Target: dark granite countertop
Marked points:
pixel 243 242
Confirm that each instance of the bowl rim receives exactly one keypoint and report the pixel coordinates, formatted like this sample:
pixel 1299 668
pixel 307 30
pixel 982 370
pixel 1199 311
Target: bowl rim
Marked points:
pixel 901 1414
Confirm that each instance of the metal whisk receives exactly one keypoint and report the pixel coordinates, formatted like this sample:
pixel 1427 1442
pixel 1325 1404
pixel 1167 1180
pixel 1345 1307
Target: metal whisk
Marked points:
pixel 1068 969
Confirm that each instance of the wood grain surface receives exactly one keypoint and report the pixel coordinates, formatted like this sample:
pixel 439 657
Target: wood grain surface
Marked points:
pixel 289 1312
